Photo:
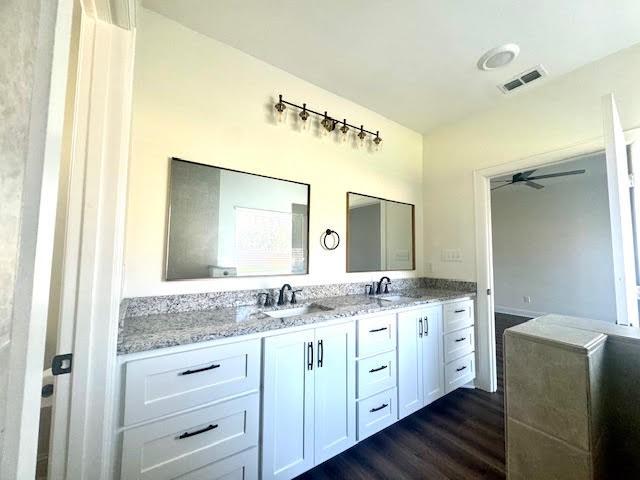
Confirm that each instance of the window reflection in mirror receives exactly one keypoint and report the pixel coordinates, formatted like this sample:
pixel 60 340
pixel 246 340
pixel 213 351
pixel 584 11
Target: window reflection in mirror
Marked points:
pixel 225 223
pixel 380 234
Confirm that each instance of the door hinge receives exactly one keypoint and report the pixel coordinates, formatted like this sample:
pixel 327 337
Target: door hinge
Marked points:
pixel 488 291
pixel 62 364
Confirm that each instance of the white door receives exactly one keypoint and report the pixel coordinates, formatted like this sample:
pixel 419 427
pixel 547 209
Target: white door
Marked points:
pixel 288 405
pixel 432 364
pixel 335 398
pixel 621 215
pixel 410 335
pixel 36 168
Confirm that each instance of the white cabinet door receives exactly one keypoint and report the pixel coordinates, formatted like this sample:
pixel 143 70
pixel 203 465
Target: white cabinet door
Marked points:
pixel 288 405
pixel 432 359
pixel 335 399
pixel 410 331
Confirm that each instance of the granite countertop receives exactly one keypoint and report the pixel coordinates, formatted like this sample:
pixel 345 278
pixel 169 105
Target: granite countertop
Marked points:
pixel 150 332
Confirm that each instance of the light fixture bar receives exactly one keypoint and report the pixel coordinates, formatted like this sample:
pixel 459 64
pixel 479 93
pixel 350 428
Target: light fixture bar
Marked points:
pixel 323 114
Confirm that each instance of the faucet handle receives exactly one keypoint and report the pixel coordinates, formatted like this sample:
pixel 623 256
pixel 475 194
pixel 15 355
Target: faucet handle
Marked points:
pixel 368 289
pixel 293 296
pixel 266 298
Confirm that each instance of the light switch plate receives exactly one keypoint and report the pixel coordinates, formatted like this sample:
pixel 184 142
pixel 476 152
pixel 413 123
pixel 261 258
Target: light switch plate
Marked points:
pixel 451 255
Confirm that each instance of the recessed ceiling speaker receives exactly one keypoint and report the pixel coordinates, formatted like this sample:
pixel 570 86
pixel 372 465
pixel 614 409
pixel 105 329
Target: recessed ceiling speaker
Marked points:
pixel 499 57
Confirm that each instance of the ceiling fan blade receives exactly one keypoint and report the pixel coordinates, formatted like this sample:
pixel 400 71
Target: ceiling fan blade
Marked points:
pixel 527 174
pixel 535 185
pixel 561 174
pixel 500 186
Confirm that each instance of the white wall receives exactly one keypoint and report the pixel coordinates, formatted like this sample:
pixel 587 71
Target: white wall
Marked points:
pixel 198 99
pixel 554 244
pixel 562 112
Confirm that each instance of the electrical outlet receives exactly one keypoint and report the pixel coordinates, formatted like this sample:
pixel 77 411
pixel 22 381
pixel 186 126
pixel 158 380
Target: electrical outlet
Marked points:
pixel 526 299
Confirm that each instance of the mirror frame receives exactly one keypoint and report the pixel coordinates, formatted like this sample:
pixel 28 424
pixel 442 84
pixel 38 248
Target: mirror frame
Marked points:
pixel 168 223
pixel 413 235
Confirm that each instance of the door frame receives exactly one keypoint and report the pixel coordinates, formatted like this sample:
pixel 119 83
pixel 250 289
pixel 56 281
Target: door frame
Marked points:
pixel 486 375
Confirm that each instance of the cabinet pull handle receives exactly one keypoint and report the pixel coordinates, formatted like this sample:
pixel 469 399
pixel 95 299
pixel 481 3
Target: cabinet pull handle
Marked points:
pixel 197 432
pixel 420 328
pixel 461 339
pixel 460 369
pixel 426 320
pixel 373 370
pixel 461 311
pixel 384 405
pixel 198 370
pixel 377 330
pixel 310 356
pixel 320 353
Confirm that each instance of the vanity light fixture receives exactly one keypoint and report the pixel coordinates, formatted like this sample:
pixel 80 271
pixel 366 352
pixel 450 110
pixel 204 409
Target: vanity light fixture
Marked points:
pixel 344 131
pixel 304 115
pixel 328 123
pixel 362 136
pixel 280 110
pixel 377 140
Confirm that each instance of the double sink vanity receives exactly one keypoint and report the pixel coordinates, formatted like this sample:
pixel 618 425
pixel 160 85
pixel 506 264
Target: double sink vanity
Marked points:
pixel 269 392
pixel 264 383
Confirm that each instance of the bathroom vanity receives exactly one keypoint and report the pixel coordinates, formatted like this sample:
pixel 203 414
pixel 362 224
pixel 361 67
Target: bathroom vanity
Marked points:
pixel 252 392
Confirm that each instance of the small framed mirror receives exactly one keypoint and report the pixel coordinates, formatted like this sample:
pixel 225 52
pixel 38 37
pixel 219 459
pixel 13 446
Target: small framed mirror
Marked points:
pixel 380 234
pixel 227 223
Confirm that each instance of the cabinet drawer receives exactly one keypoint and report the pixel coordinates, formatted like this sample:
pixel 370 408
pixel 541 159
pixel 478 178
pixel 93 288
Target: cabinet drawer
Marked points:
pixel 172 447
pixel 375 335
pixel 458 315
pixel 459 343
pixel 377 412
pixel 376 374
pixel 169 383
pixel 459 372
pixel 242 466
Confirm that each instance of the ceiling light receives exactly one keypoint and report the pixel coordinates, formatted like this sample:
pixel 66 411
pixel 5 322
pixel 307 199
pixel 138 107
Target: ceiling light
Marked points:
pixel 499 57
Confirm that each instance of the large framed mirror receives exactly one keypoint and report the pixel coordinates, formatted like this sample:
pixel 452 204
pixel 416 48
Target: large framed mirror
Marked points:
pixel 380 234
pixel 227 223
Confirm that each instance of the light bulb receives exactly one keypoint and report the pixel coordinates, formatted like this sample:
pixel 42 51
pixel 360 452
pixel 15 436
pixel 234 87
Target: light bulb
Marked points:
pixel 377 141
pixel 304 117
pixel 327 125
pixel 362 136
pixel 344 131
pixel 281 110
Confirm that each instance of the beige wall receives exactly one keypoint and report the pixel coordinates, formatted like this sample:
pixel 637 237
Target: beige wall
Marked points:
pixel 17 58
pixel 201 100
pixel 563 112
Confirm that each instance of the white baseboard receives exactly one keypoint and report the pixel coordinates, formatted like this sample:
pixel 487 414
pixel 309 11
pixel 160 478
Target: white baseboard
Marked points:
pixel 517 311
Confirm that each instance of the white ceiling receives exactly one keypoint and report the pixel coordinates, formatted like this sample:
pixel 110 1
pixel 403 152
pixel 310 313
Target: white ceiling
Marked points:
pixel 413 61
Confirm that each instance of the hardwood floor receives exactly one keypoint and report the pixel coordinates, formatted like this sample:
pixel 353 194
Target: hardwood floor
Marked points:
pixel 457 437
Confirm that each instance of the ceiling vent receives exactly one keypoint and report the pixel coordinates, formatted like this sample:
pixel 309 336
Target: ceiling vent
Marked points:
pixel 523 79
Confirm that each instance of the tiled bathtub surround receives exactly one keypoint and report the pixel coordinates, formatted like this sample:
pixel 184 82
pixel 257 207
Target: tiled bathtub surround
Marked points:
pixel 140 306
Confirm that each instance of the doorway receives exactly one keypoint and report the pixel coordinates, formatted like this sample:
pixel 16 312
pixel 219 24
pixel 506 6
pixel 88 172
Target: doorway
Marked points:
pixel 615 143
pixel 551 240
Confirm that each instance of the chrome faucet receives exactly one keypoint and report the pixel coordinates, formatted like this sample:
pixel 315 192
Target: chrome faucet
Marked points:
pixel 386 285
pixel 281 298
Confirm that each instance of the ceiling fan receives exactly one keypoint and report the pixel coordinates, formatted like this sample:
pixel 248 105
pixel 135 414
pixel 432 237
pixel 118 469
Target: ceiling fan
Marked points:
pixel 527 178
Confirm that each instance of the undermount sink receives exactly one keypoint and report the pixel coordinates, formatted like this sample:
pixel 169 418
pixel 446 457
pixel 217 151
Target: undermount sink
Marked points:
pixel 292 312
pixel 394 298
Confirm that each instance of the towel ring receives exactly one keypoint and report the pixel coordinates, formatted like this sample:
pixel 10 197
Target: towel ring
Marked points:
pixel 333 234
